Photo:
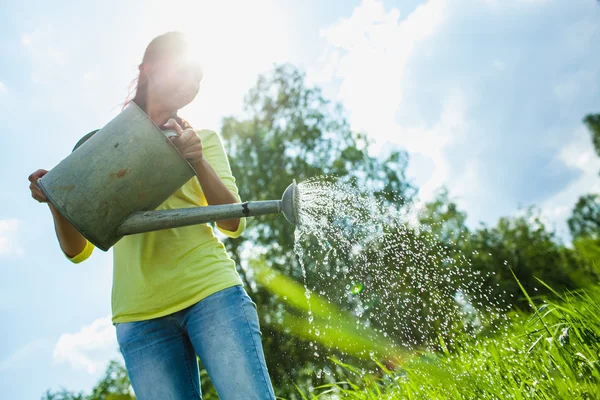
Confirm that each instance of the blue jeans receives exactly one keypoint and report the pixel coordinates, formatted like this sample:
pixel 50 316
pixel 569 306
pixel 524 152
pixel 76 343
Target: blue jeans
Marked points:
pixel 222 329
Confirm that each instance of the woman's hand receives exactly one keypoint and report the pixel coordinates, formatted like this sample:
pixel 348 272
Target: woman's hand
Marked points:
pixel 187 142
pixel 36 192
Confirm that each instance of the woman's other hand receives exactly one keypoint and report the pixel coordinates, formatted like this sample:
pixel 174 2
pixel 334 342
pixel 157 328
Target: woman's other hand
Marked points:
pixel 36 192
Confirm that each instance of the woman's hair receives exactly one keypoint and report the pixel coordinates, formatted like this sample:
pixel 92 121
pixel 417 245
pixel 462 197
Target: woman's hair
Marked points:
pixel 166 46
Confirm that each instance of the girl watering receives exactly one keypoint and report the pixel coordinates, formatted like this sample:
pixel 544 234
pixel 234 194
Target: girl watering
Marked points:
pixel 176 293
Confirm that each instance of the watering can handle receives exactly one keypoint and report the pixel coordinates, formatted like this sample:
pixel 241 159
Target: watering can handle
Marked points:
pixel 170 133
pixel 146 221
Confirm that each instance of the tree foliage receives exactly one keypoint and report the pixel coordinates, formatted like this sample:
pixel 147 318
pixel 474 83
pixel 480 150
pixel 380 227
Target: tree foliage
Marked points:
pixel 585 220
pixel 290 131
pixel 114 385
pixel 592 121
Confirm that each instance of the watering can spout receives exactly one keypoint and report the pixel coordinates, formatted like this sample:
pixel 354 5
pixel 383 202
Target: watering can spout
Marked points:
pixel 145 221
pixel 290 203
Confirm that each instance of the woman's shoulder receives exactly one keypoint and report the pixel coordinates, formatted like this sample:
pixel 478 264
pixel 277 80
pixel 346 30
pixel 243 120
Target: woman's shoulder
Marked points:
pixel 208 136
pixel 207 133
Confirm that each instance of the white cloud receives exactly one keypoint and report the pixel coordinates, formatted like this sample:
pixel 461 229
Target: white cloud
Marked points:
pixel 369 51
pixel 571 86
pixel 20 356
pixel 432 142
pixel 579 154
pixel 467 183
pixel 498 66
pixel 3 87
pixel 471 90
pixel 9 246
pixel 91 348
pixel 47 59
pixel 26 40
pixel 89 76
pixel 58 57
pixel 513 3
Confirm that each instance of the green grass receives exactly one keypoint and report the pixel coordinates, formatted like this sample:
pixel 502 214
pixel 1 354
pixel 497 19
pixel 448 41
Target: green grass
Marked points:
pixel 552 353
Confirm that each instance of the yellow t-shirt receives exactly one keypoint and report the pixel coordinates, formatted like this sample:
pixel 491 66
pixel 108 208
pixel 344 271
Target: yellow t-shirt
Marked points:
pixel 160 272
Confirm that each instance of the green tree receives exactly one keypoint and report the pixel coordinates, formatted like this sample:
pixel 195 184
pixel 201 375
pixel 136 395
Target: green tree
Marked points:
pixel 445 220
pixel 522 243
pixel 592 121
pixel 291 131
pixel 585 220
pixel 525 245
pixel 63 394
pixel 114 385
pixel 584 223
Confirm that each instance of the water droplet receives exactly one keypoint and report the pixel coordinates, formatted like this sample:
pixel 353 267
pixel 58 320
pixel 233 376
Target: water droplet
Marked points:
pixel 346 234
pixel 357 288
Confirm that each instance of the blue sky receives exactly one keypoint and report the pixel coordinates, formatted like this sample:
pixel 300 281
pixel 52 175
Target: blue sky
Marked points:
pixel 487 96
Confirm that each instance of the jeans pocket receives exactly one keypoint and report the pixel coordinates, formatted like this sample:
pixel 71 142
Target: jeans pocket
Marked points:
pixel 247 297
pixel 126 333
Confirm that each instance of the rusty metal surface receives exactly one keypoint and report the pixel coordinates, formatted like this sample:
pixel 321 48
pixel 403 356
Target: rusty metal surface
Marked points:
pixel 127 166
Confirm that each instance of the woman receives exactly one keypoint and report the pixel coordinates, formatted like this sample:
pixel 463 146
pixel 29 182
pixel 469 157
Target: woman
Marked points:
pixel 176 292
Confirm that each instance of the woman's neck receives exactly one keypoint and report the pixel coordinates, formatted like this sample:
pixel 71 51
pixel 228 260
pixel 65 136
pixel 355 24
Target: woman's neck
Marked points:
pixel 158 114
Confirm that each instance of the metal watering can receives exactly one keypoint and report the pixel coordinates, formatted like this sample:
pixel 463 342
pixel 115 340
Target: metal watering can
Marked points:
pixel 110 185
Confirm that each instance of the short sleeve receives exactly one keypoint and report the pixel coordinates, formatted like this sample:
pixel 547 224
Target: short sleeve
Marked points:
pixel 84 255
pixel 238 231
pixel 215 155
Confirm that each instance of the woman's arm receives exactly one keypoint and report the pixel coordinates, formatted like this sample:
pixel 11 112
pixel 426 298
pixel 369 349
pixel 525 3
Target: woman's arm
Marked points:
pixel 215 191
pixel 71 241
pixel 190 146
